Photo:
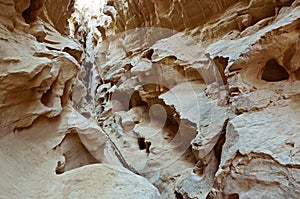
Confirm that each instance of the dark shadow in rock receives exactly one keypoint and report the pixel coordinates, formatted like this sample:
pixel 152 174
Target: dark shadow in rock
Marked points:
pixel 273 72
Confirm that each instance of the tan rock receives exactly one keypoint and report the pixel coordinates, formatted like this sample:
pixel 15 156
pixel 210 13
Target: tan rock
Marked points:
pixel 207 112
pixel 260 155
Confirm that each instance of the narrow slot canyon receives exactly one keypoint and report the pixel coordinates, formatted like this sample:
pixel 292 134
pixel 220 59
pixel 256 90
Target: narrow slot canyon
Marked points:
pixel 150 99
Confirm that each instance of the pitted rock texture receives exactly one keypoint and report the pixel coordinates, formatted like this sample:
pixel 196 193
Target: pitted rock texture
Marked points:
pixel 44 139
pixel 200 99
pixel 217 78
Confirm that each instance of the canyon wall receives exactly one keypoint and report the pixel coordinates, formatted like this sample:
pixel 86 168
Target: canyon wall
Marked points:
pixel 150 99
pixel 41 132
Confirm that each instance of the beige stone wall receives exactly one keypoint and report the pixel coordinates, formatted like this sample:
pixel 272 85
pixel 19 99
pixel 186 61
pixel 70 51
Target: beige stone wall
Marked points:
pixel 196 99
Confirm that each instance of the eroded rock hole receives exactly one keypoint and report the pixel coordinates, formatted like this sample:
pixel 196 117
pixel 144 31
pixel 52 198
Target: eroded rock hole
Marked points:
pixel 144 145
pixel 122 99
pixel 148 54
pixel 127 67
pixel 102 31
pixel 46 98
pixel 141 143
pixel 221 63
pixel 60 168
pixel 148 145
pixel 128 54
pixel 67 94
pixel 234 196
pixel 31 13
pixel 152 91
pixel 273 72
pixel 74 152
pixel 178 195
pixel 74 53
pixel 135 100
pixel 110 3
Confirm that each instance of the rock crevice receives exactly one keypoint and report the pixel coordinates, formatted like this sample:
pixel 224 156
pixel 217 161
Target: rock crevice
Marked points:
pixel 149 99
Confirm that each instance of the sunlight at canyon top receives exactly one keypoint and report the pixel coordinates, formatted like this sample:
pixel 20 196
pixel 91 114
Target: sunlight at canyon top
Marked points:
pixel 93 6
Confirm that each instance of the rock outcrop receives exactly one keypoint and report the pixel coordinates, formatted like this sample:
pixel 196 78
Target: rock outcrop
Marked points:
pixel 198 68
pixel 42 133
pixel 196 99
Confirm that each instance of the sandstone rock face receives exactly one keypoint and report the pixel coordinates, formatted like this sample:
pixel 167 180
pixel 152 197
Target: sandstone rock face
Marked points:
pixel 221 75
pixel 42 133
pixel 269 157
pixel 200 99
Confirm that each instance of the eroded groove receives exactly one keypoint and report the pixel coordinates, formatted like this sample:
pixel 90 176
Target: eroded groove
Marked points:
pixel 219 146
pixel 74 153
pixel 74 53
pixel 221 63
pixel 121 157
pixel 48 97
pixel 67 92
pixel 231 23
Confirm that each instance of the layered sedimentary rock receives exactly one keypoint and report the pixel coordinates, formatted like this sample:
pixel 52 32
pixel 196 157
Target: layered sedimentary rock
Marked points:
pixel 198 98
pixel 42 133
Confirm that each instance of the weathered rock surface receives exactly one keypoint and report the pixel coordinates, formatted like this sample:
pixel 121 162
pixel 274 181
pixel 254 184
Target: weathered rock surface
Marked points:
pixel 198 97
pixel 44 140
pixel 233 61
pixel 261 154
pixel 33 162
